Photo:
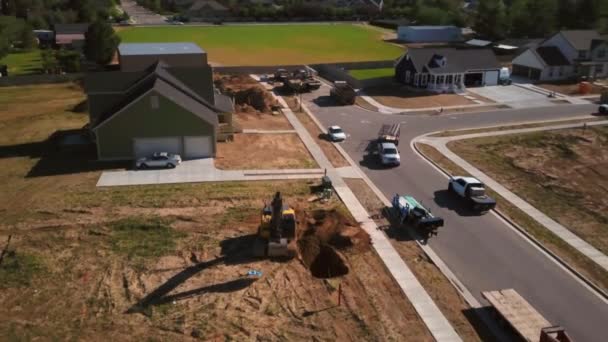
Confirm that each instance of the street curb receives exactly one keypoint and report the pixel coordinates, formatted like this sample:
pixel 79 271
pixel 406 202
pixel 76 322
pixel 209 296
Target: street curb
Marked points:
pixel 460 288
pixel 532 239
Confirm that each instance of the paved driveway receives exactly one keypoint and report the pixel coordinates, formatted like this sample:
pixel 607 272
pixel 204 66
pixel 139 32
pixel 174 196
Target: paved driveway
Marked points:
pixel 483 252
pixel 514 96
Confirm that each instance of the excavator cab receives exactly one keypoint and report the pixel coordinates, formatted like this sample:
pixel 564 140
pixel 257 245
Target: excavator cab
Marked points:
pixel 277 228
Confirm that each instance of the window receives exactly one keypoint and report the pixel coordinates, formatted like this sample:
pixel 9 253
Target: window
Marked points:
pixel 407 76
pixel 550 71
pixel 582 54
pixel 416 79
pixel 601 53
pixel 154 102
pixel 560 71
pixel 440 79
pixel 424 79
pixel 450 79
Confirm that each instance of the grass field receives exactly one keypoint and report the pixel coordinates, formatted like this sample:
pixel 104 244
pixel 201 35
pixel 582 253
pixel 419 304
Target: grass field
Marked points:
pixel 23 63
pixel 366 74
pixel 276 44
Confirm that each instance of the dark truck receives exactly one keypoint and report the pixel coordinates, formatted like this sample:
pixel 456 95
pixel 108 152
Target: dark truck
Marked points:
pixel 473 191
pixel 343 93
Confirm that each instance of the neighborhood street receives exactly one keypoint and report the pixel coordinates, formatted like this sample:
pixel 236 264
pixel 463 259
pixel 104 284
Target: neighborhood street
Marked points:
pixel 483 251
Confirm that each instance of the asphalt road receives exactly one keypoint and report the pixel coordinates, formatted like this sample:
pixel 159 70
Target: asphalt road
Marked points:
pixel 483 251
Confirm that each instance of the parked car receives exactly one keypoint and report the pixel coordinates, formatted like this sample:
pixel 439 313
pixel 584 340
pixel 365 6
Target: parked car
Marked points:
pixel 473 192
pixel 388 153
pixel 159 160
pixel 603 109
pixel 335 133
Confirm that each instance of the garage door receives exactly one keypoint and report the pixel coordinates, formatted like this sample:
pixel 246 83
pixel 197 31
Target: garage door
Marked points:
pixel 143 147
pixel 491 78
pixel 522 70
pixel 473 79
pixel 198 147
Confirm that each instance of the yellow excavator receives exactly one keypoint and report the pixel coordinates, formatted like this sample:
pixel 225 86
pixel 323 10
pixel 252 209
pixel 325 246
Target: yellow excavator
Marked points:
pixel 277 229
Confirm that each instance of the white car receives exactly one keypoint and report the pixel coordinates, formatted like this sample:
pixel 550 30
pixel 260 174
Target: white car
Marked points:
pixel 159 159
pixel 389 154
pixel 336 133
pixel 603 109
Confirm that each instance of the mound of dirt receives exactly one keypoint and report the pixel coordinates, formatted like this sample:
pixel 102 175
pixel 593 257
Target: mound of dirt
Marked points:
pixel 322 235
pixel 249 96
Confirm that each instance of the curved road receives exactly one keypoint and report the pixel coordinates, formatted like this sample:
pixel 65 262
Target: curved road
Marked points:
pixel 483 251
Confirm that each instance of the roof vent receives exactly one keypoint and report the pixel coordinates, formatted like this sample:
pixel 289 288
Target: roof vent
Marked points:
pixel 438 61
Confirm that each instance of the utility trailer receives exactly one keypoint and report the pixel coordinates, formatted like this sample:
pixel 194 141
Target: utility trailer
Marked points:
pixel 527 323
pixel 406 209
pixel 389 134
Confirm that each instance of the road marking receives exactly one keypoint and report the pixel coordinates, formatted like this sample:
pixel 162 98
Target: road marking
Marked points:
pixel 365 121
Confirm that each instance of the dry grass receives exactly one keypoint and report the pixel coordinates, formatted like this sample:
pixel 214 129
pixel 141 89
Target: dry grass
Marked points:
pixel 451 304
pixel 264 152
pixel 163 262
pixel 262 121
pixel 574 258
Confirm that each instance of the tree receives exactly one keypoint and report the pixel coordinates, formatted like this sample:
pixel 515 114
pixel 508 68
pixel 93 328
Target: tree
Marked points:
pixel 27 37
pixel 69 61
pixel 49 62
pixel 100 43
pixel 491 20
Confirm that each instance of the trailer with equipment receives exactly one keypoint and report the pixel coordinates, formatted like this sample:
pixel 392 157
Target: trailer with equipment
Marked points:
pixel 523 319
pixel 406 209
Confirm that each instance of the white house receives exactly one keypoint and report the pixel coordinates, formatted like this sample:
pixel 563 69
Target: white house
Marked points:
pixel 567 54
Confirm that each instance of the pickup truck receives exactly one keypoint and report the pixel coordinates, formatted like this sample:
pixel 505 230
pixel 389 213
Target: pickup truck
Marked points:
pixel 388 153
pixel 473 191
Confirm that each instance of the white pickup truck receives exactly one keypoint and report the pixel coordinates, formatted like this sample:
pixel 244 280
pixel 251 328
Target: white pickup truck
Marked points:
pixel 472 190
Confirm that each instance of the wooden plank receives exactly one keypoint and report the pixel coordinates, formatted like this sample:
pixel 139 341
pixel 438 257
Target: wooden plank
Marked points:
pixel 524 319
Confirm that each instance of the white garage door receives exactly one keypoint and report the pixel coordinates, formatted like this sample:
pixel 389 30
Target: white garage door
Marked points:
pixel 198 147
pixel 491 78
pixel 143 147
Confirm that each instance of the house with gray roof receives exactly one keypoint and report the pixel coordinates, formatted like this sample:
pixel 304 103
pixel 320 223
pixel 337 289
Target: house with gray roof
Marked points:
pixel 565 55
pixel 158 102
pixel 447 69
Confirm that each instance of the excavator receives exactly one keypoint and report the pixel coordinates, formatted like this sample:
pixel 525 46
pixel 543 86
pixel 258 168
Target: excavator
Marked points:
pixel 277 229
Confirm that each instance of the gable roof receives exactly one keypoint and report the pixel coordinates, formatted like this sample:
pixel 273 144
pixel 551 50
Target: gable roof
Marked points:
pixel 131 86
pixel 580 39
pixel 551 55
pixel 457 60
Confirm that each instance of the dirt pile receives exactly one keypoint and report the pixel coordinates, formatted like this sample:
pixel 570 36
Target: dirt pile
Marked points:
pixel 323 235
pixel 249 96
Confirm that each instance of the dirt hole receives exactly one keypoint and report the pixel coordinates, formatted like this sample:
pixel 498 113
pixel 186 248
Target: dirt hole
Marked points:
pixel 323 235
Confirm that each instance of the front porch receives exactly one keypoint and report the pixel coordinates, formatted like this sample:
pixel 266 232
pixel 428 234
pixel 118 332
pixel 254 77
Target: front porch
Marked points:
pixel 440 83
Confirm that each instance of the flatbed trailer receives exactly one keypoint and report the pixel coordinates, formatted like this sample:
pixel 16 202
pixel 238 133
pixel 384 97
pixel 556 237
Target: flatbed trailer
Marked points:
pixel 523 318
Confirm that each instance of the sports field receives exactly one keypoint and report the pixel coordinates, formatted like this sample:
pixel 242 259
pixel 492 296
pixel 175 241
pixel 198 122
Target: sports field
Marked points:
pixel 274 44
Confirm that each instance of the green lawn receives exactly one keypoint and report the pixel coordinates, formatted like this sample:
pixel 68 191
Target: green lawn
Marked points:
pixel 23 63
pixel 274 44
pixel 366 74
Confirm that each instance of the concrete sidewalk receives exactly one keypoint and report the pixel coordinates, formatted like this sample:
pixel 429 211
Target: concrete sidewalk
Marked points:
pixel 433 318
pixel 392 110
pixel 440 143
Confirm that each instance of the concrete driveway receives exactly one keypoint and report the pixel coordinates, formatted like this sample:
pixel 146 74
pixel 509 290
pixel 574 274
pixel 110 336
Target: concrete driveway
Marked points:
pixel 199 170
pixel 514 96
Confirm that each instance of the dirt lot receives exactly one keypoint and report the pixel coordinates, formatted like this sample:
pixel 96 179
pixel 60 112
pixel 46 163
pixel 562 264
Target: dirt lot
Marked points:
pixel 334 156
pixel 568 88
pixel 167 262
pixel 264 152
pixel 439 288
pixel 407 98
pixel 253 103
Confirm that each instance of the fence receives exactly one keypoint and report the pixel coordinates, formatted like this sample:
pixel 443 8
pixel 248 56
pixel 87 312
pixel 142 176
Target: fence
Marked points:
pixel 38 79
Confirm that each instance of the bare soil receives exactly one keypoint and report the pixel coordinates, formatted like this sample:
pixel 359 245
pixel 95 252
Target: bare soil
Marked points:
pixel 330 151
pixel 569 88
pixel 262 121
pixel 264 152
pixel 409 98
pixel 451 304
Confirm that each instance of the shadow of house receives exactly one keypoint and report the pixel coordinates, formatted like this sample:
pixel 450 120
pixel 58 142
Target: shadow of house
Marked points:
pixel 64 152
